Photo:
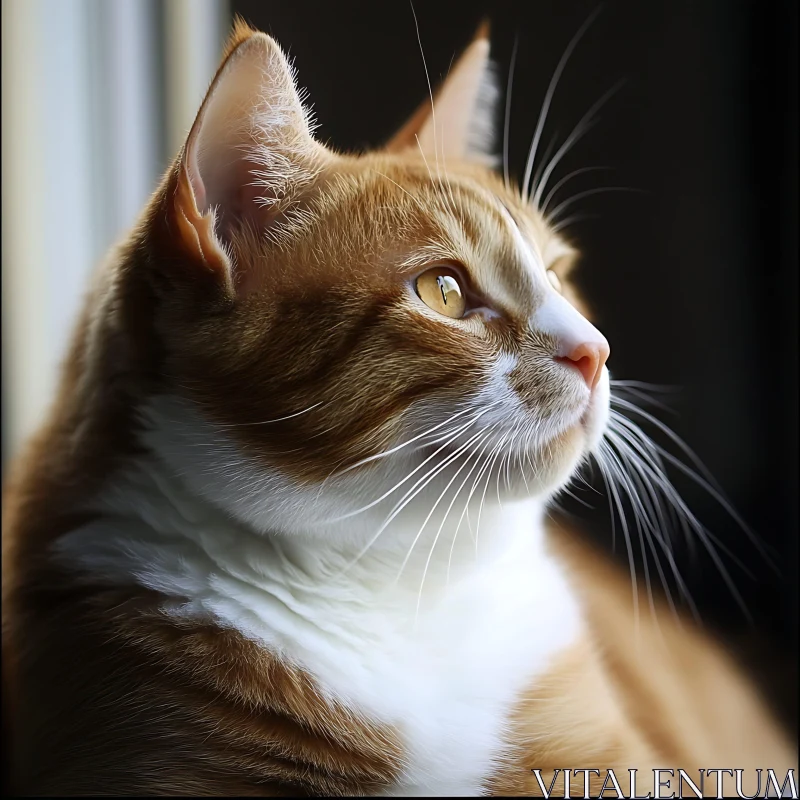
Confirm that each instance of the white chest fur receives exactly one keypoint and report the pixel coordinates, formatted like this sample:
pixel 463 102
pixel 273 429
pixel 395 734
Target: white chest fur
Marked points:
pixel 444 667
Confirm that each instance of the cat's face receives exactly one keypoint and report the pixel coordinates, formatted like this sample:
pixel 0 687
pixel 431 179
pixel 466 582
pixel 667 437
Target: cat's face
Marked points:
pixel 369 318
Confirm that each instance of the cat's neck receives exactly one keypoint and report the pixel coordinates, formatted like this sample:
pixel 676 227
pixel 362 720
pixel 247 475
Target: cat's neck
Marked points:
pixel 428 548
pixel 421 535
pixel 175 526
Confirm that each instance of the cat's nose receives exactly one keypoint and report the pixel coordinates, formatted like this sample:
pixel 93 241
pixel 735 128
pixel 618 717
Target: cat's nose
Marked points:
pixel 588 358
pixel 578 344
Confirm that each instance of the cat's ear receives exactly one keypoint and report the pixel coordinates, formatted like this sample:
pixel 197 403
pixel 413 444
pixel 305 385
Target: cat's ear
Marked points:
pixel 460 123
pixel 249 152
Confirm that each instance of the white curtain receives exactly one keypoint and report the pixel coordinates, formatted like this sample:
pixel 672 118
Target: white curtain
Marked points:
pixel 97 96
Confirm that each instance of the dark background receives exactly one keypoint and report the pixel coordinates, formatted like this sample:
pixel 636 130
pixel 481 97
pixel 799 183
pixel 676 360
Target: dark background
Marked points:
pixel 693 277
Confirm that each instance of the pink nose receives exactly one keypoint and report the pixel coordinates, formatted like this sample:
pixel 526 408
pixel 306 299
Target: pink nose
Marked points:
pixel 588 358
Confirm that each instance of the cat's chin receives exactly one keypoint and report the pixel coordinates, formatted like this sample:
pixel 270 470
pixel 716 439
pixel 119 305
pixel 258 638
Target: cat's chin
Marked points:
pixel 595 418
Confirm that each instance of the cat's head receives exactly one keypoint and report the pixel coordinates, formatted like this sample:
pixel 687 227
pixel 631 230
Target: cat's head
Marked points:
pixel 339 329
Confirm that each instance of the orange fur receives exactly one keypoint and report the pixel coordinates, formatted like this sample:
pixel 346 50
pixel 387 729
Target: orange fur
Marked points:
pixel 109 696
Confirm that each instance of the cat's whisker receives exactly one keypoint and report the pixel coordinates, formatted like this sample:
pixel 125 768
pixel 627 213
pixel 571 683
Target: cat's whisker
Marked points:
pixel 647 514
pixel 528 451
pixel 437 184
pixel 580 477
pixel 432 473
pixel 588 193
pixel 705 480
pixel 450 198
pixel 447 442
pixel 566 490
pixel 607 472
pixel 500 470
pixel 485 435
pixel 645 448
pixel 643 385
pixel 498 450
pixel 488 472
pixel 430 93
pixel 436 138
pixel 545 159
pixel 514 453
pixel 409 496
pixel 520 456
pixel 463 449
pixel 642 391
pixel 667 431
pixel 707 539
pixel 481 472
pixel 508 456
pixel 578 132
pixel 562 63
pixel 648 496
pixel 427 166
pixel 574 174
pixel 644 455
pixel 478 456
pixel 565 223
pixel 642 526
pixel 394 449
pixel 637 393
pixel 503 462
pixel 402 189
pixel 724 503
pixel 623 426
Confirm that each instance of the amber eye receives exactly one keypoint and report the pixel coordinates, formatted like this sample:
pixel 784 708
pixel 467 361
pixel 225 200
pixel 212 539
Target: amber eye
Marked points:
pixel 554 281
pixel 440 290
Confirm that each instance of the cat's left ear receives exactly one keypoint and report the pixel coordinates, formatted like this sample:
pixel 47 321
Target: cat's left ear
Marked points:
pixel 249 154
pixel 460 123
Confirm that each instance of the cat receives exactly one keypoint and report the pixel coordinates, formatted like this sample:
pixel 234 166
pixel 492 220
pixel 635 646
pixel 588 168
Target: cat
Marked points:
pixel 284 529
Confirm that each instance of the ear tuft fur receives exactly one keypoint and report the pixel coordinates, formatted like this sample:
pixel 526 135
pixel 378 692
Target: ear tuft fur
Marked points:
pixel 240 32
pixel 250 151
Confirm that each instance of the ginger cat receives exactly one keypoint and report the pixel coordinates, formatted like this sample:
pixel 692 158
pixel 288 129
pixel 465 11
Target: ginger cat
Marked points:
pixel 284 529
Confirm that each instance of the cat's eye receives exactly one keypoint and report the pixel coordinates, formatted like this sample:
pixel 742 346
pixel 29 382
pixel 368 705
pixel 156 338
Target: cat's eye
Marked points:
pixel 440 289
pixel 554 281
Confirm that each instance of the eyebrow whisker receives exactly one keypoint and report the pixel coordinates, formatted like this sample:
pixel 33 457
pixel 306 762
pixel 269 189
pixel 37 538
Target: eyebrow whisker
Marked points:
pixel 548 99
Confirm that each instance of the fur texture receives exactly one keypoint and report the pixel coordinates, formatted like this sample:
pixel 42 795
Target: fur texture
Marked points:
pixel 284 531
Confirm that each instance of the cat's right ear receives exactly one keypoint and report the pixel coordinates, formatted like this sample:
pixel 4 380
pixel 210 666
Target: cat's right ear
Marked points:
pixel 249 152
